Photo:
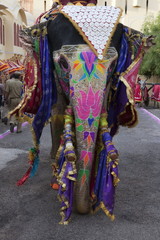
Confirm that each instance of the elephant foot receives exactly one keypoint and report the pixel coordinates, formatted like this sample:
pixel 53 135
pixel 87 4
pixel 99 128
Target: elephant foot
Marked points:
pixel 82 199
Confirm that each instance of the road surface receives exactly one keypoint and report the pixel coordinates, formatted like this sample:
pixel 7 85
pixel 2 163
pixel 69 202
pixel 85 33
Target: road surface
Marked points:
pixel 31 212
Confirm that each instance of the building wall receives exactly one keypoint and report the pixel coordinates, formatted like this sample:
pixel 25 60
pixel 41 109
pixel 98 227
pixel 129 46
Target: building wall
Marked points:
pixel 12 19
pixel 13 12
pixel 136 11
pixel 41 6
pixel 36 7
pixel 133 17
pixel 27 4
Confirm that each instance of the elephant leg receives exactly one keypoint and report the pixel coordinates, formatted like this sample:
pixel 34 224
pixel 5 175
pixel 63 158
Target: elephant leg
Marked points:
pixel 57 119
pixel 56 126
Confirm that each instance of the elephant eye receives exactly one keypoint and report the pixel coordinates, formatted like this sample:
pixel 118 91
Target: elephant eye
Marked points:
pixel 63 63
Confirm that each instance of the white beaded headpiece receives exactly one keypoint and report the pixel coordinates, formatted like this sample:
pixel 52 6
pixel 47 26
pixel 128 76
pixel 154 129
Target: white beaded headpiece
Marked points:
pixel 96 24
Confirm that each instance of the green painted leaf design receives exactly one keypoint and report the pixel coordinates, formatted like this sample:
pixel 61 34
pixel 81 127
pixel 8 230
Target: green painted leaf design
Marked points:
pixel 80 128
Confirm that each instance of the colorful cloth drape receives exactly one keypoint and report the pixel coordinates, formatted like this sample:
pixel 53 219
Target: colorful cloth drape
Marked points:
pixel 3 66
pixel 123 112
pixel 33 84
pixel 48 94
pixel 32 88
pixel 44 111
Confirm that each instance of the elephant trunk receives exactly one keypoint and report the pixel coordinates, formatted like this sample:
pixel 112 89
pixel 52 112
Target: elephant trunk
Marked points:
pixel 87 84
pixel 85 153
pixel 87 107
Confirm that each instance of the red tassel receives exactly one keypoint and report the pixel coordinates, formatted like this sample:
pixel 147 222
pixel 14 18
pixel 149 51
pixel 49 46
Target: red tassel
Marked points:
pixel 25 177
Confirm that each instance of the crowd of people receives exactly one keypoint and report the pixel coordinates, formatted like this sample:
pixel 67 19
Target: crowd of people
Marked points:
pixel 1 98
pixel 142 96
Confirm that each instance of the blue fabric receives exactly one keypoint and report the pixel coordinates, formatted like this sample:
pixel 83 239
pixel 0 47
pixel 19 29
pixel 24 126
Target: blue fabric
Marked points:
pixel 122 64
pixel 34 167
pixel 49 95
pixel 101 175
pixel 106 137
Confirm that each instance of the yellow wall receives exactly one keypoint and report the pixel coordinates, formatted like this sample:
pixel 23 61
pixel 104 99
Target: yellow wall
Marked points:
pixel 40 5
pixel 10 13
pixel 36 7
pixel 13 11
pixel 134 18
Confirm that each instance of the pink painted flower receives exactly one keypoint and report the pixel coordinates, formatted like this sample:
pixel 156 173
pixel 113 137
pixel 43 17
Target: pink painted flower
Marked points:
pixel 88 103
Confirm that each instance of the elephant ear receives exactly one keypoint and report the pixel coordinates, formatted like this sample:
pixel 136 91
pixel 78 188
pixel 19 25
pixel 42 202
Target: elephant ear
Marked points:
pixel 26 40
pixel 29 36
pixel 62 61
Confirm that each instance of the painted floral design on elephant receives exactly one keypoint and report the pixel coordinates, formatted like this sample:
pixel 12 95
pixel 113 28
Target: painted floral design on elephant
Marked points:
pixel 88 103
pixel 83 174
pixel 90 64
pixel 89 136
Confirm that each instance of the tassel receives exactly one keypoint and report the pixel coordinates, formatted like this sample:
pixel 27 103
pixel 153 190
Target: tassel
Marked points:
pixel 58 165
pixel 33 156
pixel 34 166
pixel 106 137
pixel 25 177
pixel 65 168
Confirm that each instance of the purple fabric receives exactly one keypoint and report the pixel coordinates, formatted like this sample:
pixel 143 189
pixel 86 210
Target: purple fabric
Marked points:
pixel 61 160
pixel 111 148
pixel 66 168
pixel 104 186
pixel 106 138
pixel 120 98
pixel 68 193
pixel 108 190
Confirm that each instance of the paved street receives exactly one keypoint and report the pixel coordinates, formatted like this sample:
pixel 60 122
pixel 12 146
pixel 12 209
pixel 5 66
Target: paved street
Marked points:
pixel 31 212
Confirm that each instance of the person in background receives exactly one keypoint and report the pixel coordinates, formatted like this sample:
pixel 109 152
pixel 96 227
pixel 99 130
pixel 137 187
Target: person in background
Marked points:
pixel 1 98
pixel 13 91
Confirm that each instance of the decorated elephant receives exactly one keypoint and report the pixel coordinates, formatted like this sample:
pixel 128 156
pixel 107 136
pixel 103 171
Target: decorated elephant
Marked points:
pixel 81 77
